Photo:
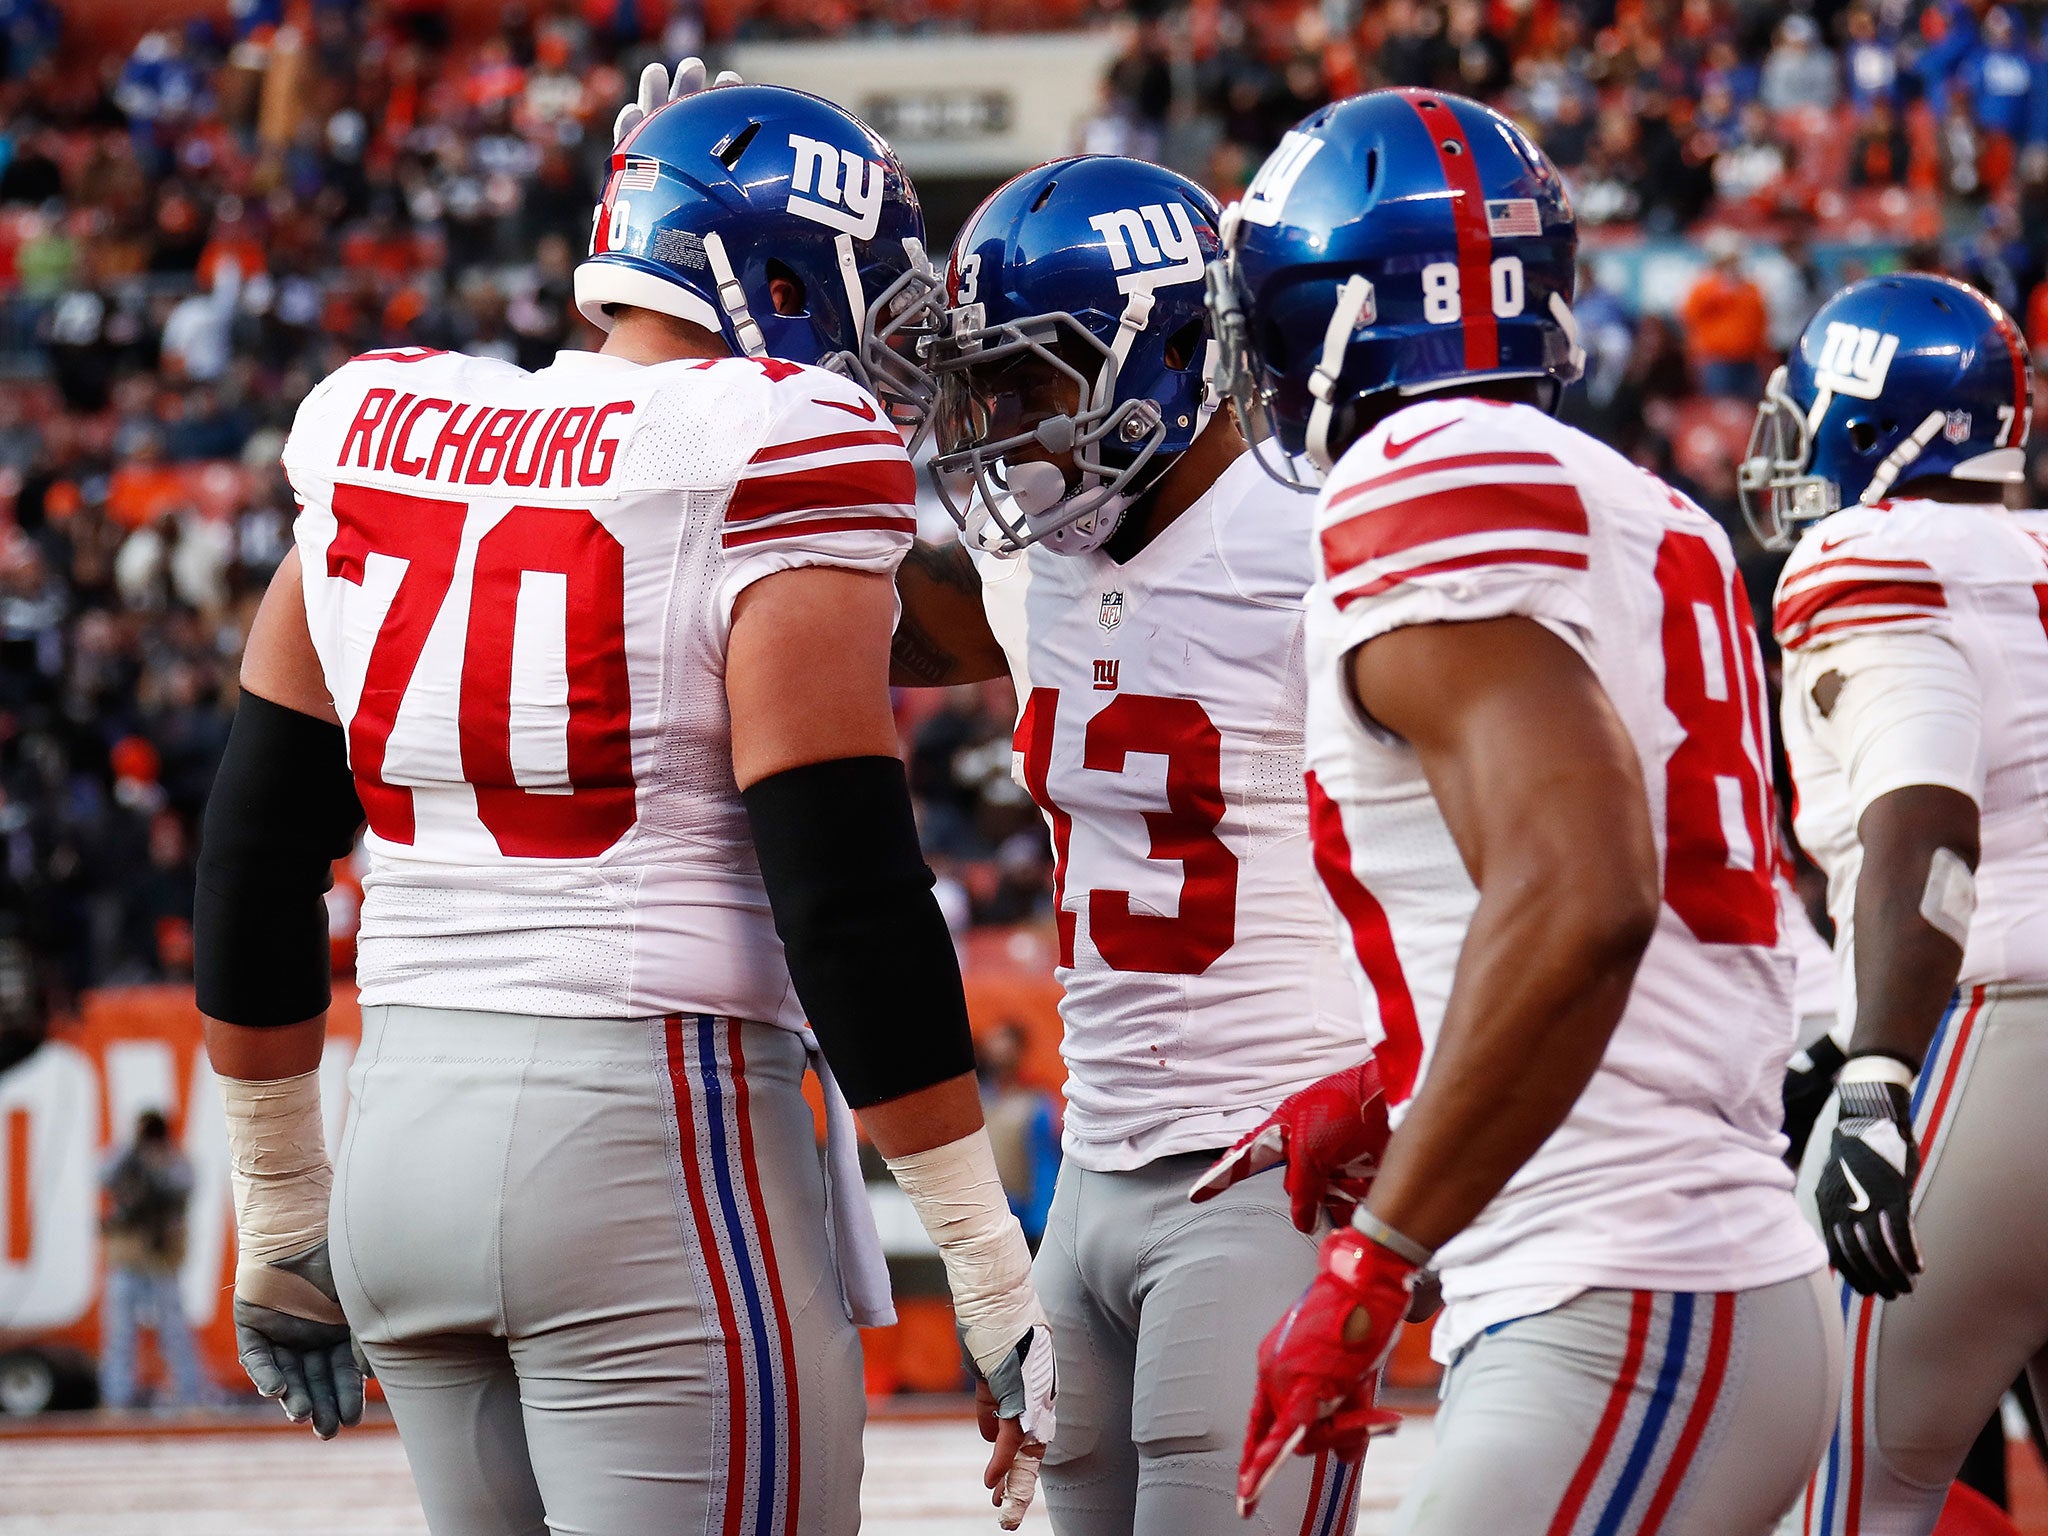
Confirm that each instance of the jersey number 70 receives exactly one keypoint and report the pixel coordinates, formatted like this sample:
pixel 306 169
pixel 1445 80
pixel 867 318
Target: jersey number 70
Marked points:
pixel 595 808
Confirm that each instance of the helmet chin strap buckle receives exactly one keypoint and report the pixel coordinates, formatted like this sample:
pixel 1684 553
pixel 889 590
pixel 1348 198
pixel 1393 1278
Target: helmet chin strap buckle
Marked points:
pixel 734 298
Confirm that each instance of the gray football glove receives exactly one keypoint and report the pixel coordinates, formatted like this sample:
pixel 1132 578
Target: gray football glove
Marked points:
pixel 310 1363
pixel 657 90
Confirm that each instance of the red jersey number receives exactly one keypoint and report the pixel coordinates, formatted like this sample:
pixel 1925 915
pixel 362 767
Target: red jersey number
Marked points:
pixel 426 534
pixel 1179 730
pixel 1718 826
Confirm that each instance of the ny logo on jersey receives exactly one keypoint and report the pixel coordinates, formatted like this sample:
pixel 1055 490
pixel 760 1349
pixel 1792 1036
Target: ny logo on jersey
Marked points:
pixel 1854 360
pixel 852 206
pixel 1159 240
pixel 1266 197
pixel 1111 613
pixel 1105 675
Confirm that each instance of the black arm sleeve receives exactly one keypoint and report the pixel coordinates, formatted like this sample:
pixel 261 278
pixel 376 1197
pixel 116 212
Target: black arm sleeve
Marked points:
pixel 868 949
pixel 283 809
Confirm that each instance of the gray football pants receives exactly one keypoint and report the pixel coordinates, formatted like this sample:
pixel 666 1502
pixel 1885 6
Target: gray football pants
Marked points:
pixel 588 1260
pixel 1635 1413
pixel 1927 1370
pixel 1157 1307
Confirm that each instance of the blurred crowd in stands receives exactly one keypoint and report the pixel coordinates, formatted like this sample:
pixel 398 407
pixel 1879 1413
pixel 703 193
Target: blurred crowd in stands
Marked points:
pixel 193 233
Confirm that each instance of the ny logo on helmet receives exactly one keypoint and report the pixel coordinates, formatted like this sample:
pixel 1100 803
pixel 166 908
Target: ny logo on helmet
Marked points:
pixel 853 206
pixel 1150 247
pixel 1266 197
pixel 1854 360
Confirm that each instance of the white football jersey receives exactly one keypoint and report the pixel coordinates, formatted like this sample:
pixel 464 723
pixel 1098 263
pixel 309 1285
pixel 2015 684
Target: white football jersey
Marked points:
pixel 1160 732
pixel 1975 577
pixel 520 587
pixel 1668 1172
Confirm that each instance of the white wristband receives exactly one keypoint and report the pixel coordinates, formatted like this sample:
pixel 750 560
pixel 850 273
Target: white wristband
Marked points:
pixel 282 1181
pixel 1876 1069
pixel 959 1197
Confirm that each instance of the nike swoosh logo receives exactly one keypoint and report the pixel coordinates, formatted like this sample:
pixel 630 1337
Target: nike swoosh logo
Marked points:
pixel 1829 545
pixel 864 411
pixel 1859 1199
pixel 1394 450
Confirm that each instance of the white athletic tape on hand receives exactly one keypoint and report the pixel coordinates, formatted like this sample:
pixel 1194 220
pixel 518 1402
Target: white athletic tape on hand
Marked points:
pixel 959 1197
pixel 282 1179
pixel 1949 900
pixel 1020 1483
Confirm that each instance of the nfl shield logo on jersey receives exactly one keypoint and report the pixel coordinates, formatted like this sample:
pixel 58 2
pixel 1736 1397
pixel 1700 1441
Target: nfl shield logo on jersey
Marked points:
pixel 1957 428
pixel 1112 610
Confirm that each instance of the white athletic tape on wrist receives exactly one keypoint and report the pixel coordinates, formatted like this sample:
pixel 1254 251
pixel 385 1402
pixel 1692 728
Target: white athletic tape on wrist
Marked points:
pixel 1876 1069
pixel 282 1180
pixel 1950 898
pixel 959 1197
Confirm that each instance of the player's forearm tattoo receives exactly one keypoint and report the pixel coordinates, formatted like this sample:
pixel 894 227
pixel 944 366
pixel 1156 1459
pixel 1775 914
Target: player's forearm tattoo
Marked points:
pixel 916 653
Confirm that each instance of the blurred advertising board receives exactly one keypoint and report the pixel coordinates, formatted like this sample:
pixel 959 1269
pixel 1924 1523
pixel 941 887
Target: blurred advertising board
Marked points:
pixel 952 105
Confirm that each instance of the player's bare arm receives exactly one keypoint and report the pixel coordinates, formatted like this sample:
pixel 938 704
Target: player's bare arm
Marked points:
pixel 282 810
pixel 943 636
pixel 806 678
pixel 1906 966
pixel 1913 901
pixel 1542 790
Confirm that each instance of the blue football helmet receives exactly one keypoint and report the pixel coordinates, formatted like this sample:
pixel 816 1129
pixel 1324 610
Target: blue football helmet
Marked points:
pixel 713 196
pixel 1075 325
pixel 1896 377
pixel 1398 243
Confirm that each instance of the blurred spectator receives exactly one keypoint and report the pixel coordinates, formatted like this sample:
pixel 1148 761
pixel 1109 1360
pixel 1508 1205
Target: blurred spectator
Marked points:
pixel 1879 155
pixel 1023 1124
pixel 1799 72
pixel 1870 61
pixel 147 1189
pixel 1725 320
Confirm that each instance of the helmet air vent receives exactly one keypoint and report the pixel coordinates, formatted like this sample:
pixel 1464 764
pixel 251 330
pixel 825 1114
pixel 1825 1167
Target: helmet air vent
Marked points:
pixel 1372 171
pixel 1044 195
pixel 734 145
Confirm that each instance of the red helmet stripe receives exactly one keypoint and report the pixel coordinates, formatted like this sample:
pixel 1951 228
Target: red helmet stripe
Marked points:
pixel 1468 219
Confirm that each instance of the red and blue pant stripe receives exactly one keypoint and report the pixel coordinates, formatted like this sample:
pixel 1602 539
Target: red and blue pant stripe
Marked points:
pixel 1834 1499
pixel 758 1481
pixel 1658 1414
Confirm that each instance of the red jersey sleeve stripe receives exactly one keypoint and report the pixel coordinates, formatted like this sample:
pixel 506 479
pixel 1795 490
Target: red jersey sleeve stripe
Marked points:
pixel 1800 578
pixel 855 483
pixel 1450 464
pixel 1508 510
pixel 1568 559
pixel 1832 628
pixel 828 443
pixel 1799 609
pixel 1372 941
pixel 812 527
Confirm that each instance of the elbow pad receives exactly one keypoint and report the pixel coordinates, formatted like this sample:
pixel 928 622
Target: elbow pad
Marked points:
pixel 867 947
pixel 283 809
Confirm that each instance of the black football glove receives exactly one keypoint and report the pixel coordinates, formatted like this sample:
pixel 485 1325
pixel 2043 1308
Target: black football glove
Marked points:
pixel 1866 1191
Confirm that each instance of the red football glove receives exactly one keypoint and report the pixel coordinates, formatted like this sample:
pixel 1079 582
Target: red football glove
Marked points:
pixel 1316 1391
pixel 1331 1135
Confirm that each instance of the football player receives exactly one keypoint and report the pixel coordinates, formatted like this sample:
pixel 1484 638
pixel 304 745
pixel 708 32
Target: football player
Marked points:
pixel 1141 581
pixel 1540 793
pixel 1916 722
pixel 600 652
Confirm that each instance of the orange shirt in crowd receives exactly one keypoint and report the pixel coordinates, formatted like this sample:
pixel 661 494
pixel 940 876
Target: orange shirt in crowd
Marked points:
pixel 1724 318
